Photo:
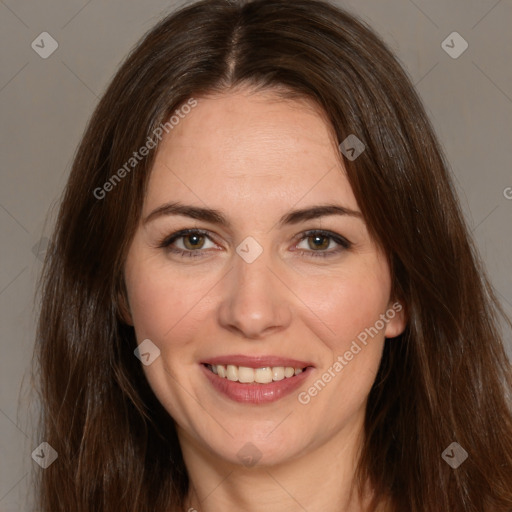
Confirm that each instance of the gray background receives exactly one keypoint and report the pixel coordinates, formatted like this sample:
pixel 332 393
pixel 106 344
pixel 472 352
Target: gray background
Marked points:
pixel 45 104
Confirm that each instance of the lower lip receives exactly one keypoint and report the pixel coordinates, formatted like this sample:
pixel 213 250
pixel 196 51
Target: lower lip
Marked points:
pixel 256 393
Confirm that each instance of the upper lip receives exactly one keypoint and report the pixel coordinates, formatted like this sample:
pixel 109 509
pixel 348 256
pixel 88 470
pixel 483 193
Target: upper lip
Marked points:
pixel 256 361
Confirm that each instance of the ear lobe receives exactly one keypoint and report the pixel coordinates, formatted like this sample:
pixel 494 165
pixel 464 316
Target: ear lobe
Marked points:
pixel 397 319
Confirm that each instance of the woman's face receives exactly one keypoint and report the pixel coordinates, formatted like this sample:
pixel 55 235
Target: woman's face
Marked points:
pixel 266 290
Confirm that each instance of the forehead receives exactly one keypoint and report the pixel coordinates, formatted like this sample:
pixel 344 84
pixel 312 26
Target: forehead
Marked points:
pixel 252 148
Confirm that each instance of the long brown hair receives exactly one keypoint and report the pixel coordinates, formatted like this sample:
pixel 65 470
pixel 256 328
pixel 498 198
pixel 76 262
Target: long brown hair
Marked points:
pixel 445 379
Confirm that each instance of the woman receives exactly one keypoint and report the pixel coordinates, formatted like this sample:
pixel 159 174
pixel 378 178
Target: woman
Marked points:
pixel 261 292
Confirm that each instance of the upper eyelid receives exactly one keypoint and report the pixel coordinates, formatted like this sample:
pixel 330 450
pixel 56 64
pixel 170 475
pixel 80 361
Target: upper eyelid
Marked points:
pixel 182 233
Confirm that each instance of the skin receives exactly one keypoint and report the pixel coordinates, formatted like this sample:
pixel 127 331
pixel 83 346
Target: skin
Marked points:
pixel 255 157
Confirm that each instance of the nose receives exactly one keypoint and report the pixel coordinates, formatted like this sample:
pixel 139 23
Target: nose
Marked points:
pixel 255 302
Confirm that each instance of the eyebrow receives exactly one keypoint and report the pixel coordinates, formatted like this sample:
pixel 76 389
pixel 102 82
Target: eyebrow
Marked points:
pixel 217 217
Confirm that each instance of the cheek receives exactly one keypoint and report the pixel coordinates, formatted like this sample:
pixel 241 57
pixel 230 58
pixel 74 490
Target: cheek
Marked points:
pixel 344 305
pixel 165 303
pixel 346 311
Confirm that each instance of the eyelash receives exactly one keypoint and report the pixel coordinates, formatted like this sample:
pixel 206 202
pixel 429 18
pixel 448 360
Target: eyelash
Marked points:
pixel 342 242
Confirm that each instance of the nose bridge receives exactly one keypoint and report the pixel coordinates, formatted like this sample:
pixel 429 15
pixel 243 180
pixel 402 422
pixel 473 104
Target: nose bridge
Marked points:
pixel 254 301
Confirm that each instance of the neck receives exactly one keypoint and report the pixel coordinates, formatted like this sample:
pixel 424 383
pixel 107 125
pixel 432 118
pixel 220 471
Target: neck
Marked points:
pixel 319 478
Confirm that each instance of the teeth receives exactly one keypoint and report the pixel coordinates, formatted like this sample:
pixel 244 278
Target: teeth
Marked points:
pixel 232 372
pixel 245 374
pixel 263 375
pixel 289 372
pixel 278 373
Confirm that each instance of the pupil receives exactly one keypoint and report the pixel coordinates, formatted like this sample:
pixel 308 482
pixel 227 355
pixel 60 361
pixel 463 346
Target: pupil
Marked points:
pixel 193 240
pixel 319 238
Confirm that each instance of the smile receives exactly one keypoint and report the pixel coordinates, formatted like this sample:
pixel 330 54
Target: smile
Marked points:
pixel 263 375
pixel 256 380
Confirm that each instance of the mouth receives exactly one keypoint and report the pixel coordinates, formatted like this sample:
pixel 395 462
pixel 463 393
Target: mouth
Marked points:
pixel 255 380
pixel 247 375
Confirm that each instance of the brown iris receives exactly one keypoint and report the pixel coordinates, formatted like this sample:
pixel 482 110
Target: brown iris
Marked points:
pixel 316 239
pixel 197 241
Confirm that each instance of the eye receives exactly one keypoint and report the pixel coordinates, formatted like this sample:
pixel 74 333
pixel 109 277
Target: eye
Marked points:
pixel 319 241
pixel 187 242
pixel 193 243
